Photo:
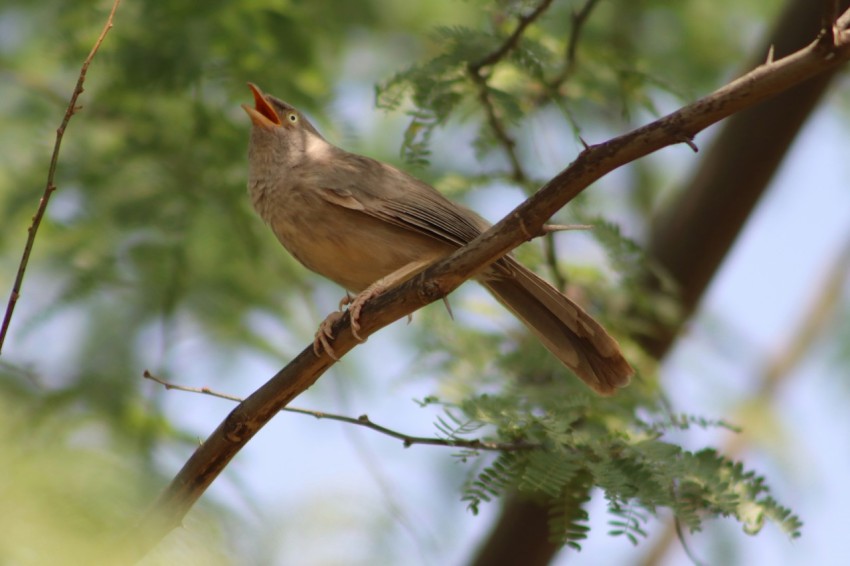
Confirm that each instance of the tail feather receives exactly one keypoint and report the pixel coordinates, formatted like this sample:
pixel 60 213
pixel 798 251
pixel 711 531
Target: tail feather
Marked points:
pixel 571 334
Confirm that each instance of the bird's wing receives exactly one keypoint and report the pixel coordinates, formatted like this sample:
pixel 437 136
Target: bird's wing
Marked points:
pixel 388 194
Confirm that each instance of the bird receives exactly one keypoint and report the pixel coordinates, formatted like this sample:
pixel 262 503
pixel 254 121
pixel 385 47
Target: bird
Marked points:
pixel 367 225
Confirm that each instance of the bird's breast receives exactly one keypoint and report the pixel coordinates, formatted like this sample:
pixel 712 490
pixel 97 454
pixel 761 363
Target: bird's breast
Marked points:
pixel 350 247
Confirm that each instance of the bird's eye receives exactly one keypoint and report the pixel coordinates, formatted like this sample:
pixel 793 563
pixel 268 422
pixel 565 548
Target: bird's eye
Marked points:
pixel 293 117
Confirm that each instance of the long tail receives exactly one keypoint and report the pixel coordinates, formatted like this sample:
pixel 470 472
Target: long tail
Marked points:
pixel 561 325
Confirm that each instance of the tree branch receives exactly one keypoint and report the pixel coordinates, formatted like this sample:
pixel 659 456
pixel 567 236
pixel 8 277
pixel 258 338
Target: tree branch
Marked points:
pixel 51 173
pixel 362 420
pixel 447 274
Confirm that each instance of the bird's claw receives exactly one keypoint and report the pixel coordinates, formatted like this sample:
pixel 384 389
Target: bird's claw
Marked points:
pixel 325 334
pixel 355 305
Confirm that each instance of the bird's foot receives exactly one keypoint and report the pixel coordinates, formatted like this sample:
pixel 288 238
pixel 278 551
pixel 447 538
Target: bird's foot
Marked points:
pixel 325 334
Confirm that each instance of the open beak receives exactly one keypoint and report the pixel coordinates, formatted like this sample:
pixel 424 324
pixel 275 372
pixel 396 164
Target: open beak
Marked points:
pixel 263 114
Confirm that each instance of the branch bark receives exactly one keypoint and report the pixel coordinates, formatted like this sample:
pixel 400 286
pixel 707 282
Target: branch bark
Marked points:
pixel 446 275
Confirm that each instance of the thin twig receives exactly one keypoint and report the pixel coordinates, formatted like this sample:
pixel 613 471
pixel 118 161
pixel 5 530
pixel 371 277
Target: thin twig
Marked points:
pixel 551 228
pixel 518 174
pixel 513 39
pixel 51 173
pixel 685 546
pixel 480 79
pixel 362 420
pixel 577 24
pixel 571 52
pixel 550 251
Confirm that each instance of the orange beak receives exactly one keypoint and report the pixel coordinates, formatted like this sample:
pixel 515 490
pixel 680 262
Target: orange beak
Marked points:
pixel 263 114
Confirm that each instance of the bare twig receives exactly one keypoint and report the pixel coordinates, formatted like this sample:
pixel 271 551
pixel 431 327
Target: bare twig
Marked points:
pixel 445 275
pixel 476 73
pixel 577 22
pixel 362 420
pixel 51 173
pixel 518 174
pixel 513 39
pixel 551 228
pixel 680 534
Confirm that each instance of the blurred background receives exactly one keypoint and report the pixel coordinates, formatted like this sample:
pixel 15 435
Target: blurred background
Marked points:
pixel 151 258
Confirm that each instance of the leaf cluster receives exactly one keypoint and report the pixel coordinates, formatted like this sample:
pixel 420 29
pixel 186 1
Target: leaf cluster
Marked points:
pixel 617 65
pixel 575 443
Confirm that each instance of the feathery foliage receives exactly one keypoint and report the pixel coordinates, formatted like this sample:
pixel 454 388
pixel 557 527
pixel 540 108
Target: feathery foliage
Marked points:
pixel 569 446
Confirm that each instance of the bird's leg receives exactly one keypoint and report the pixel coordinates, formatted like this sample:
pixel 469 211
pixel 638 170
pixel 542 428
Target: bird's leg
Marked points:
pixel 324 335
pixel 402 274
pixel 321 341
